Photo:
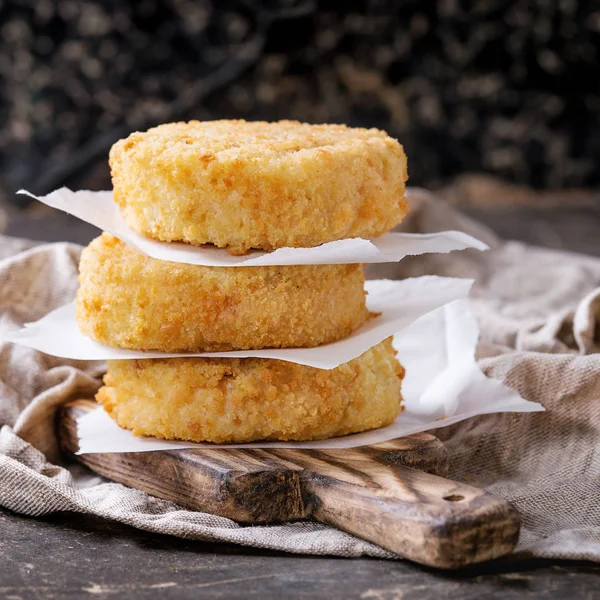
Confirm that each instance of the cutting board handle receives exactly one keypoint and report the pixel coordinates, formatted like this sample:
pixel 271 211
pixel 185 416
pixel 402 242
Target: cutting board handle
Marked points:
pixel 423 517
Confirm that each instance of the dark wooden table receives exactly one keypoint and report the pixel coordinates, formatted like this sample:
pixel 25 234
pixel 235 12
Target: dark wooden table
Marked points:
pixel 73 556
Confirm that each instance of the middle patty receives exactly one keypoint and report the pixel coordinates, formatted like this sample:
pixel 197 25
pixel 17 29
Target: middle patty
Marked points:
pixel 129 300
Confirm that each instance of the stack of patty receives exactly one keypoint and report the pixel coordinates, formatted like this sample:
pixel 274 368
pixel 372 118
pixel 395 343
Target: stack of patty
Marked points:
pixel 242 186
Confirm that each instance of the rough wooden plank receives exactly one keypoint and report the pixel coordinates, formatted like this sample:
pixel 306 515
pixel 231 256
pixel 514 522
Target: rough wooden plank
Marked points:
pixel 423 517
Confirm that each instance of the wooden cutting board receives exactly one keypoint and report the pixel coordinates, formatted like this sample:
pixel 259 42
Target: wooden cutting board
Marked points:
pixel 393 494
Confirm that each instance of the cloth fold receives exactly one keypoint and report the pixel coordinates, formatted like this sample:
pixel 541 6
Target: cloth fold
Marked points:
pixel 539 314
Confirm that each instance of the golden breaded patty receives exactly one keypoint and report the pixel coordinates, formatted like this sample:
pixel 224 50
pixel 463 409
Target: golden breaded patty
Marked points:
pixel 130 300
pixel 241 185
pixel 247 399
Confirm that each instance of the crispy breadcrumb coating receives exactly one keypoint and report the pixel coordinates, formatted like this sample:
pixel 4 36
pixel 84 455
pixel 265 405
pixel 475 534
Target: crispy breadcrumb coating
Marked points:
pixel 241 400
pixel 129 300
pixel 242 185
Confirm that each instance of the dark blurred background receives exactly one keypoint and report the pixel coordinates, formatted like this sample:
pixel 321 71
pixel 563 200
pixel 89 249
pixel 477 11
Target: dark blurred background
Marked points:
pixel 497 103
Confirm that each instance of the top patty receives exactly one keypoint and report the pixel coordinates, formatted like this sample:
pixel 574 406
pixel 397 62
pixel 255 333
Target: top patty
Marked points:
pixel 241 185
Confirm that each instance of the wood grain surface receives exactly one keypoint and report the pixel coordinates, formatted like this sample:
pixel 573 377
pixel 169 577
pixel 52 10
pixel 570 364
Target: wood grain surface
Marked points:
pixel 391 494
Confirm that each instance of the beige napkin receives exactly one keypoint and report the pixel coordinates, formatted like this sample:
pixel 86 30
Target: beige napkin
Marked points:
pixel 539 313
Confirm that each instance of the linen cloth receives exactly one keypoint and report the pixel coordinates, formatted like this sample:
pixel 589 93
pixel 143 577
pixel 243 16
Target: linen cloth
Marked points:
pixel 539 313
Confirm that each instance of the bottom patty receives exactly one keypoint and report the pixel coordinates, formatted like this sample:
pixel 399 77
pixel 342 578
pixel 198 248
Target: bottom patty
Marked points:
pixel 248 399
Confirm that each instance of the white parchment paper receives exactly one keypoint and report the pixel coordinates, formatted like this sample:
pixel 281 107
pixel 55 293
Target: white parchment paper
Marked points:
pixel 443 385
pixel 399 302
pixel 98 208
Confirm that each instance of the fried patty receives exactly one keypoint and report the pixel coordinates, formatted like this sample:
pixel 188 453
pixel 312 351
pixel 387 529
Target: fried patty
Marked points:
pixel 247 399
pixel 242 185
pixel 129 300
